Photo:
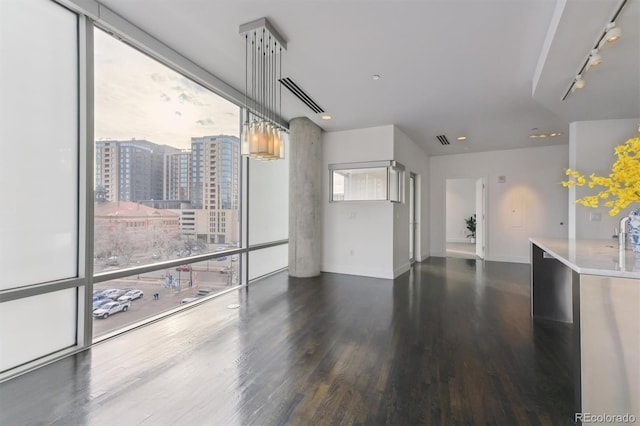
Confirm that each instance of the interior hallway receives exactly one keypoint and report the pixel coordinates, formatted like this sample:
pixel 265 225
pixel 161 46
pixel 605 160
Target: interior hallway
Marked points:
pixel 450 342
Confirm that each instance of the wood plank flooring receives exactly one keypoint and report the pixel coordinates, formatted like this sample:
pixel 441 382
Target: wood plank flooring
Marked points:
pixel 450 342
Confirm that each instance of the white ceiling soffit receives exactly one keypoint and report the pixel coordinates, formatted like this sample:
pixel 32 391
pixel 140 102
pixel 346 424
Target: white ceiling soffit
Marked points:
pixel 454 68
pixel 612 88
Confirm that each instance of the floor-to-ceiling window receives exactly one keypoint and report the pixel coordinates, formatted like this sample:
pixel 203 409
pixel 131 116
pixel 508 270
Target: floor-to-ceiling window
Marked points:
pixel 268 214
pixel 39 182
pixel 167 185
pixel 121 177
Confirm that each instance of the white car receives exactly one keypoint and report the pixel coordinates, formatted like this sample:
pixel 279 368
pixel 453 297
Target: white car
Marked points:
pixel 114 293
pixel 131 295
pixel 111 308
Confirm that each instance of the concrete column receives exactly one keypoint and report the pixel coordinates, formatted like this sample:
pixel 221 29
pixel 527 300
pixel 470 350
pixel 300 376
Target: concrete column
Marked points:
pixel 305 197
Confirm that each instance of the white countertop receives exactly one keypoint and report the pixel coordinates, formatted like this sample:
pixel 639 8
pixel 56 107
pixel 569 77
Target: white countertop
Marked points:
pixel 591 257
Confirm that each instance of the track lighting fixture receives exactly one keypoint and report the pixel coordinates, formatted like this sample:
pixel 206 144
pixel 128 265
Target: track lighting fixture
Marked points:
pixel 611 33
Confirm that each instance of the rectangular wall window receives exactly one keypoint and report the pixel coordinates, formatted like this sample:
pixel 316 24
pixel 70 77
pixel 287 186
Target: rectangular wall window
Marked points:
pixel 367 181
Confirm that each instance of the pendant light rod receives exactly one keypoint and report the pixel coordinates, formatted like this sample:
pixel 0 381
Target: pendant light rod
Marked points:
pixel 262 97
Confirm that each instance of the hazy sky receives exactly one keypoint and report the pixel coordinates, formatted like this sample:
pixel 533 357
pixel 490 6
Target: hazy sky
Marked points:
pixel 137 97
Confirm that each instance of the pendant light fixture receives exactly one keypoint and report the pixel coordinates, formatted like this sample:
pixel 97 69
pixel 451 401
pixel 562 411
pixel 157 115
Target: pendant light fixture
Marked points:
pixel 262 136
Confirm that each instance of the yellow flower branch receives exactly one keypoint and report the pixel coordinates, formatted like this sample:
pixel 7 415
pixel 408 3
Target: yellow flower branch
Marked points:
pixel 621 187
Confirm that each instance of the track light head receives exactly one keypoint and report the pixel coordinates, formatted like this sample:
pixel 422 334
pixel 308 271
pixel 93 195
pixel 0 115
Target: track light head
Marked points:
pixel 612 33
pixel 594 58
pixel 579 82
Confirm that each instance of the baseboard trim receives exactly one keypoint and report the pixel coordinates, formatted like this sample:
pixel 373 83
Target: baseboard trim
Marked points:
pixel 401 269
pixel 460 241
pixel 358 270
pixel 510 259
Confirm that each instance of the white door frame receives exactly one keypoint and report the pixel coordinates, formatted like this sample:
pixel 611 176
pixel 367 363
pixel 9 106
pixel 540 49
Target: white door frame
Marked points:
pixel 413 211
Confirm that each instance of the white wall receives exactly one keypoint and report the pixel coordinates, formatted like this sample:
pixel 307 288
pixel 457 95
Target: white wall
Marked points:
pixel 460 204
pixel 530 203
pixel 415 160
pixel 357 236
pixel 591 148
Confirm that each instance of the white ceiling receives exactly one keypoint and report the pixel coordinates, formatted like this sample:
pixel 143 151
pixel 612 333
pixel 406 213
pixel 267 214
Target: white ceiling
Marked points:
pixel 454 67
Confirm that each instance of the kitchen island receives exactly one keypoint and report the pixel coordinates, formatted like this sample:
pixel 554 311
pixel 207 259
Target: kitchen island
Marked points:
pixel 590 284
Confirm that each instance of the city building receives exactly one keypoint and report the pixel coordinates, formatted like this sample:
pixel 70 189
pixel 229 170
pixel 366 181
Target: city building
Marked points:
pixel 177 176
pixel 215 186
pixel 131 230
pixel 130 170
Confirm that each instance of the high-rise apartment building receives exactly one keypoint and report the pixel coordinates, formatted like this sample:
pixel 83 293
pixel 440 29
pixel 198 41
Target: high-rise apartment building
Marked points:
pixel 177 175
pixel 129 170
pixel 215 185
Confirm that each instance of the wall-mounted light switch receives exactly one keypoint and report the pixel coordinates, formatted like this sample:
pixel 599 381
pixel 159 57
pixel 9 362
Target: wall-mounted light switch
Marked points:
pixel 595 217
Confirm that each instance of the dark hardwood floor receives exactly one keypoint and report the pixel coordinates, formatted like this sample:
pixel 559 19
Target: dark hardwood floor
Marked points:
pixel 451 342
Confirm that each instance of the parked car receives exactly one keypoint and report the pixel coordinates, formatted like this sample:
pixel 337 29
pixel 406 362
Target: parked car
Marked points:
pixel 220 259
pixel 111 308
pixel 103 292
pixel 234 258
pixel 114 293
pixel 100 303
pixel 225 270
pixel 131 295
pixel 101 299
pixel 188 300
pixel 184 268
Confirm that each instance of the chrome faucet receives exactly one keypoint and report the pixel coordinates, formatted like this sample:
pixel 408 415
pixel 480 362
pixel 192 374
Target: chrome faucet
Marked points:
pixel 622 236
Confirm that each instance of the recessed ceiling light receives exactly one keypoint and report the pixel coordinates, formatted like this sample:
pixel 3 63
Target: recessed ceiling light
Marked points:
pixel 326 117
pixel 375 77
pixel 544 135
pixel 462 138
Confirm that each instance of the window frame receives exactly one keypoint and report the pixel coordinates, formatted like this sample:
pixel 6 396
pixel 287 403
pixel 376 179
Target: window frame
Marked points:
pixel 388 165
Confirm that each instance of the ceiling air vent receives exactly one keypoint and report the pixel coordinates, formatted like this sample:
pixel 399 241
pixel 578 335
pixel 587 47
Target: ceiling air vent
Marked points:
pixel 443 139
pixel 300 94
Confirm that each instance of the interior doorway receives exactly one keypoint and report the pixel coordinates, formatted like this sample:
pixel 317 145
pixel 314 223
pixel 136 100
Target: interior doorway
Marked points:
pixel 465 213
